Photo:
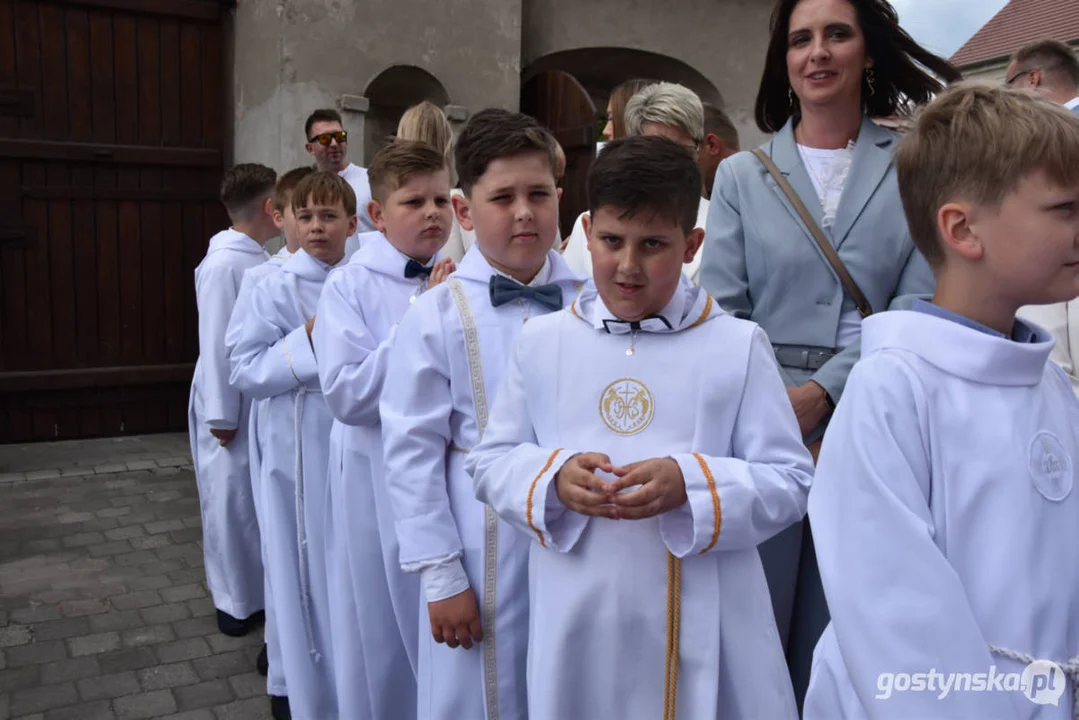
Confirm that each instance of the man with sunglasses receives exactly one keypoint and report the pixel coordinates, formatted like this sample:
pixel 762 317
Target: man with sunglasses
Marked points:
pixel 327 143
pixel 1049 67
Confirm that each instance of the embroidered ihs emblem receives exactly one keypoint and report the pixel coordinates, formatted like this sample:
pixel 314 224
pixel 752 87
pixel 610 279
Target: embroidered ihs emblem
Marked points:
pixel 1050 467
pixel 627 406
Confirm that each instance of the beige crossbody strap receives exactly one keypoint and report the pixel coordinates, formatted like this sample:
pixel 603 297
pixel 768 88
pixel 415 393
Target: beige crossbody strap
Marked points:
pixel 864 308
pixel 490 518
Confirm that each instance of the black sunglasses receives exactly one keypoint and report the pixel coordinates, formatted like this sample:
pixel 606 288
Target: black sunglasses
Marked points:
pixel 340 136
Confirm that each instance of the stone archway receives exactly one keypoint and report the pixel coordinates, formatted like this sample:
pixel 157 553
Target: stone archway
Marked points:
pixel 600 69
pixel 389 94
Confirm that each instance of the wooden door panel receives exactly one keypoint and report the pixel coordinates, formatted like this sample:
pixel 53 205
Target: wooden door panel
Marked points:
pixel 558 101
pixel 111 133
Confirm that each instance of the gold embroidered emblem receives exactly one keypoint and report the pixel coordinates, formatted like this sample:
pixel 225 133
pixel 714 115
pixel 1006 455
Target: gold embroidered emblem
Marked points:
pixel 626 406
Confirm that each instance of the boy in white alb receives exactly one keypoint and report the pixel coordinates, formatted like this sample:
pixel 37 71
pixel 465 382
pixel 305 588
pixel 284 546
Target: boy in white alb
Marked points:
pixel 360 308
pixel 944 510
pixel 444 367
pixel 217 413
pixel 642 441
pixel 274 360
pixel 269 660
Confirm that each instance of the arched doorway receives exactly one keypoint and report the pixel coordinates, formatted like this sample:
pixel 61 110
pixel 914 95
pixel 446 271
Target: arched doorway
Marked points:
pixel 390 93
pixel 557 100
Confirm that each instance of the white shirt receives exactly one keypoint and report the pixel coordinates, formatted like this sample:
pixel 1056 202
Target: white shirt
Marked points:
pixel 828 170
pixel 1073 103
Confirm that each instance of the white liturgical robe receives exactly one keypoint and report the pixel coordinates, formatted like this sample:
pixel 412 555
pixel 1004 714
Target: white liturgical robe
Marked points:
pixel 275 362
pixel 429 421
pixel 360 307
pixel 946 525
pixel 230 530
pixel 667 616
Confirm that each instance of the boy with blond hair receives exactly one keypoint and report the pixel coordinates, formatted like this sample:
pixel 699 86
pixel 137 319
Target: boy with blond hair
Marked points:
pixel 943 507
pixel 374 606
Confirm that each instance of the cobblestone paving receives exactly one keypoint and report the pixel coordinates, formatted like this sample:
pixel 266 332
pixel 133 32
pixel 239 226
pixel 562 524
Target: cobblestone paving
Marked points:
pixel 104 612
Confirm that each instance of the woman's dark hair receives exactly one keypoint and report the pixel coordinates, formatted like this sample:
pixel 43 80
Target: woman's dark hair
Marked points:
pixel 898 81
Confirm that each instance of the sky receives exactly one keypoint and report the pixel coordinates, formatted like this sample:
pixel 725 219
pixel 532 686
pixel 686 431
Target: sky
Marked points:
pixel 942 26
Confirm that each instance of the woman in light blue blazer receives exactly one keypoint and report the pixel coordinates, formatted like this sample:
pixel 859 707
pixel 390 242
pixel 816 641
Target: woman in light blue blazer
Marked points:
pixel 831 66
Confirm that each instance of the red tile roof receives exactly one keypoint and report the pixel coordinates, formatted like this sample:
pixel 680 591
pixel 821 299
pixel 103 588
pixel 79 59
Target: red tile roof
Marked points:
pixel 1018 23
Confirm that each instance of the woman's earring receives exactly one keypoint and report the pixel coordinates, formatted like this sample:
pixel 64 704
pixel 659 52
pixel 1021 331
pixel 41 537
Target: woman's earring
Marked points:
pixel 790 97
pixel 870 77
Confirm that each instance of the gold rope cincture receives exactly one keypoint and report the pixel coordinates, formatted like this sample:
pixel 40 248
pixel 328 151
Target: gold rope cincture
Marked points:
pixel 490 552
pixel 674 620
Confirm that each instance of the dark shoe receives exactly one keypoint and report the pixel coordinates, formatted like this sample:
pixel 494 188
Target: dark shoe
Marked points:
pixel 279 707
pixel 238 628
pixel 262 664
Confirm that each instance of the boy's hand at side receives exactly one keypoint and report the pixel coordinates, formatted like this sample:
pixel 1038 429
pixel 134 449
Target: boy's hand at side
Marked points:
pixel 581 490
pixel 456 620
pixel 223 436
pixel 442 270
pixel 310 326
pixel 662 489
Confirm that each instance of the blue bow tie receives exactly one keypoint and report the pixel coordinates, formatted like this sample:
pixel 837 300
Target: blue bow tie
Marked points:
pixel 504 289
pixel 414 269
pixel 652 323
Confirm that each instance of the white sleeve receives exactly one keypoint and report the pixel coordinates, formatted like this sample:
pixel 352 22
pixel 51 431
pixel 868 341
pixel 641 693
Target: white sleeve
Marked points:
pixel 351 362
pixel 239 310
pixel 897 604
pixel 215 292
pixel 270 359
pixel 416 407
pixel 576 254
pixel 513 474
pixel 738 502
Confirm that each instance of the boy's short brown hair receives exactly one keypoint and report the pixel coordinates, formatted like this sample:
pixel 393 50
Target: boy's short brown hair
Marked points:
pixel 396 162
pixel 491 134
pixel 286 184
pixel 976 143
pixel 646 173
pixel 243 186
pixel 324 188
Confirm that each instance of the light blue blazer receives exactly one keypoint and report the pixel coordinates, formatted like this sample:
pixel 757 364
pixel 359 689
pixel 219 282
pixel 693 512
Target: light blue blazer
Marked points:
pixel 761 263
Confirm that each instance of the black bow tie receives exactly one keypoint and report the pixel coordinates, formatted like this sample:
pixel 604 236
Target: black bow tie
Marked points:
pixel 415 269
pixel 652 323
pixel 504 289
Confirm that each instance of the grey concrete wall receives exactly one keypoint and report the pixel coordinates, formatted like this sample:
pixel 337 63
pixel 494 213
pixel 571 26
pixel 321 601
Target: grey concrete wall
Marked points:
pixel 292 56
pixel 725 40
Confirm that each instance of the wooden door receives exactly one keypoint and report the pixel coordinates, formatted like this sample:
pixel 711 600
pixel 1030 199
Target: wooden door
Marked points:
pixel 557 100
pixel 111 136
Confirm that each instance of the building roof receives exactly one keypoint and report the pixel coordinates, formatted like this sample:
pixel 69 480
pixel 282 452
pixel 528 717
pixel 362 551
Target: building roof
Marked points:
pixel 1018 23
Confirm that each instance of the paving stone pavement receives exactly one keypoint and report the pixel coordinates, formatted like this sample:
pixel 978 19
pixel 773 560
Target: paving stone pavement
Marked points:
pixel 104 612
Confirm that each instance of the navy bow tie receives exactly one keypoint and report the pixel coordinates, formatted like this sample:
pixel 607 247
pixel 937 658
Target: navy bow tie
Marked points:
pixel 504 289
pixel 415 269
pixel 652 323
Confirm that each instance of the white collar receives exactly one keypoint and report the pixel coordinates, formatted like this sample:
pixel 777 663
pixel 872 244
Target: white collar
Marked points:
pixel 542 277
pixel 1073 103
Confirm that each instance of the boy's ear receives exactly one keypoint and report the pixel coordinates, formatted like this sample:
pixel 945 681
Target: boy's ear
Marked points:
pixel 558 193
pixel 267 208
pixel 463 211
pixel 956 230
pixel 374 211
pixel 694 240
pixel 353 223
pixel 586 225
pixel 278 219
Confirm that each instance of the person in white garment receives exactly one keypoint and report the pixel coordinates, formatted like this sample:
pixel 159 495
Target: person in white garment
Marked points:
pixel 1051 68
pixel 643 443
pixel 275 361
pixel 944 505
pixel 461 240
pixel 327 144
pixel 663 109
pixel 443 369
pixel 269 660
pixel 217 413
pixel 374 605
